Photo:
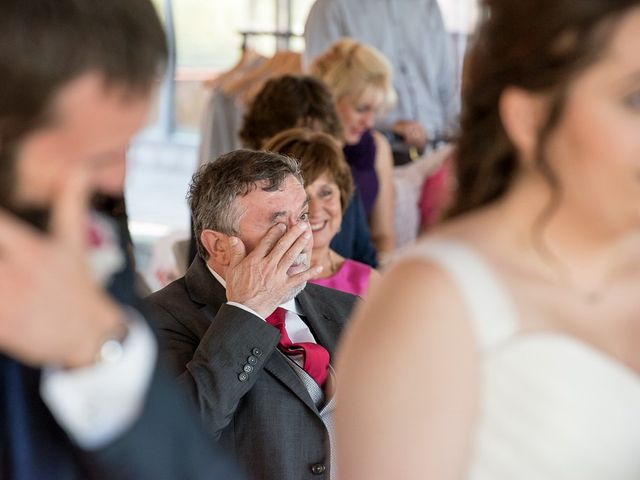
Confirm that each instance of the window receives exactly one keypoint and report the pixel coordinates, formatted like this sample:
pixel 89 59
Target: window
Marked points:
pixel 208 41
pixel 206 38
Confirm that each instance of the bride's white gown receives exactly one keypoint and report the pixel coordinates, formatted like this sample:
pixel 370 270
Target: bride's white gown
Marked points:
pixel 552 407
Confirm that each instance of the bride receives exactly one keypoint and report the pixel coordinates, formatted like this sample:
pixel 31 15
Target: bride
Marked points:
pixel 506 345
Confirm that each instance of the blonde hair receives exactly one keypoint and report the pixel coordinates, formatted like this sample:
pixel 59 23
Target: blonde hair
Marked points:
pixel 356 69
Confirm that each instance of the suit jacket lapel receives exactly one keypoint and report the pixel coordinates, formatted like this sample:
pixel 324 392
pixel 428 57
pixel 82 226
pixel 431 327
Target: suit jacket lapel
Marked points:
pixel 279 367
pixel 202 286
pixel 324 326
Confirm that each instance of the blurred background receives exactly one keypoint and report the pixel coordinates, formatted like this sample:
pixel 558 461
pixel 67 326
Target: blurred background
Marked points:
pixel 207 38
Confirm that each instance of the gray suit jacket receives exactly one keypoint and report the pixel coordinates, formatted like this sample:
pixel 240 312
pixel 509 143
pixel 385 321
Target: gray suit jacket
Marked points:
pixel 249 396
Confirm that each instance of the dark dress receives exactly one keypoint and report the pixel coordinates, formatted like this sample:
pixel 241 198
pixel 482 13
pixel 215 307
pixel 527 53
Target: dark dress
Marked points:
pixel 361 157
pixel 353 241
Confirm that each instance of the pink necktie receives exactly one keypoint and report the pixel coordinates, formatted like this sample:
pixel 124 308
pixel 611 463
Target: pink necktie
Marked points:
pixel 315 357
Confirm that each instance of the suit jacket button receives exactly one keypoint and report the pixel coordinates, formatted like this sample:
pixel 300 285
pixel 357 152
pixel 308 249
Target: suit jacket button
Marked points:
pixel 252 360
pixel 248 368
pixel 256 352
pixel 318 469
pixel 243 377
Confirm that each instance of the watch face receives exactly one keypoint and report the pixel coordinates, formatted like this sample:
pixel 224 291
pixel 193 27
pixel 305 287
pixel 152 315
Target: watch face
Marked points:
pixel 111 351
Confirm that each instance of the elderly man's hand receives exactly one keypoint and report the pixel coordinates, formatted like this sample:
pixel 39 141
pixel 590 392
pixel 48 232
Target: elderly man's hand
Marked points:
pixel 262 280
pixel 51 309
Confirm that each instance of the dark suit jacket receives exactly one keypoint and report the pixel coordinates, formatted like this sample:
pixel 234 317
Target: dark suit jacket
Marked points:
pixel 165 443
pixel 353 240
pixel 266 418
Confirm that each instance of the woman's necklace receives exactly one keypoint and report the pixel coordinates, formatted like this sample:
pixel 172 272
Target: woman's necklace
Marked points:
pixel 332 263
pixel 589 293
pixel 592 294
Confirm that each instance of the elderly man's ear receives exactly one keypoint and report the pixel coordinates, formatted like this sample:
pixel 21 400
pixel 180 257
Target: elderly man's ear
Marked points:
pixel 217 246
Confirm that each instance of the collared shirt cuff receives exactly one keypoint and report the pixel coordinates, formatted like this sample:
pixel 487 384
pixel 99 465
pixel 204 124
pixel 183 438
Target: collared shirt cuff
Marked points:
pixel 96 404
pixel 245 308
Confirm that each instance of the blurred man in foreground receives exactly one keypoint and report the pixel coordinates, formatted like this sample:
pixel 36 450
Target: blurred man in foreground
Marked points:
pixel 80 394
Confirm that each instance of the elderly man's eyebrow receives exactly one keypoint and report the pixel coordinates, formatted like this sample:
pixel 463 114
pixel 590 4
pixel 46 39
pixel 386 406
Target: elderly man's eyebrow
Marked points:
pixel 276 215
pixel 283 213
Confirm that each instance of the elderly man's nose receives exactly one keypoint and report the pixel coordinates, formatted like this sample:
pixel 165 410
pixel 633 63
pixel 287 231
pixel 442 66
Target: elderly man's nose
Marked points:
pixel 291 222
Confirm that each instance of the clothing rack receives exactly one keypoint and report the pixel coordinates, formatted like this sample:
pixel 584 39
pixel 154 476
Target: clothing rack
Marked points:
pixel 278 34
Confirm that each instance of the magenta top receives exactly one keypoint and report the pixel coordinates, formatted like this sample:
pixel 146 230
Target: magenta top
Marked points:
pixel 353 277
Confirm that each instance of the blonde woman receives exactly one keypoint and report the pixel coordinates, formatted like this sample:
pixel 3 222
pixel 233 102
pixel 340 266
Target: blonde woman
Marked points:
pixel 360 80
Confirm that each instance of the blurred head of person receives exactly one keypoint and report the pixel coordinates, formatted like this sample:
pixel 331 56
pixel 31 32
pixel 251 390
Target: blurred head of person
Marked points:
pixel 556 105
pixel 328 182
pixel 360 80
pixel 286 102
pixel 77 78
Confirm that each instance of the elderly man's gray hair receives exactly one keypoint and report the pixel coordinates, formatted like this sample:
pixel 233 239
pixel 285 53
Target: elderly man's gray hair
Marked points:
pixel 215 187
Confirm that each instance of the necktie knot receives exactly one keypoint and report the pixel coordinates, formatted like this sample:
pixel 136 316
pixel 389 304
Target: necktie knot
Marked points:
pixel 277 318
pixel 315 357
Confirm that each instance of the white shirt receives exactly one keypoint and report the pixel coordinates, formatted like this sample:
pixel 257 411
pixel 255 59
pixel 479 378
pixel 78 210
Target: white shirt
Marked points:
pixel 96 404
pixel 297 330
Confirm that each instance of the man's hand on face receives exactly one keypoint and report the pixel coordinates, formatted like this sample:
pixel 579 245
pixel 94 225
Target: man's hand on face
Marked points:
pixel 260 279
pixel 52 312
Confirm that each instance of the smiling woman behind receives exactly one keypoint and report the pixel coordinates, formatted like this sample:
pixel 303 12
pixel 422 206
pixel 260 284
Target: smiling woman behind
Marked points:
pixel 329 187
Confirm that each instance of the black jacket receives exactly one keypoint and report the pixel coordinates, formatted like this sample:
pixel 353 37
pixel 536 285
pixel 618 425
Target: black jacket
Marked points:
pixel 266 417
pixel 165 442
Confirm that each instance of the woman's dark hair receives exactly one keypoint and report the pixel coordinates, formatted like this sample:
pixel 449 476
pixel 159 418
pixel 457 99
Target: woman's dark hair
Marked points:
pixel 286 102
pixel 539 46
pixel 317 153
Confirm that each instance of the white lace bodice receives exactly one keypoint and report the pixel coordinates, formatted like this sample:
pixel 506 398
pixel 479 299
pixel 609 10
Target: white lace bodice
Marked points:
pixel 552 407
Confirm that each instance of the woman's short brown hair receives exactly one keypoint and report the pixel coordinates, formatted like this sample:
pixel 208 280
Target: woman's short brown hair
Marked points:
pixel 286 102
pixel 316 153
